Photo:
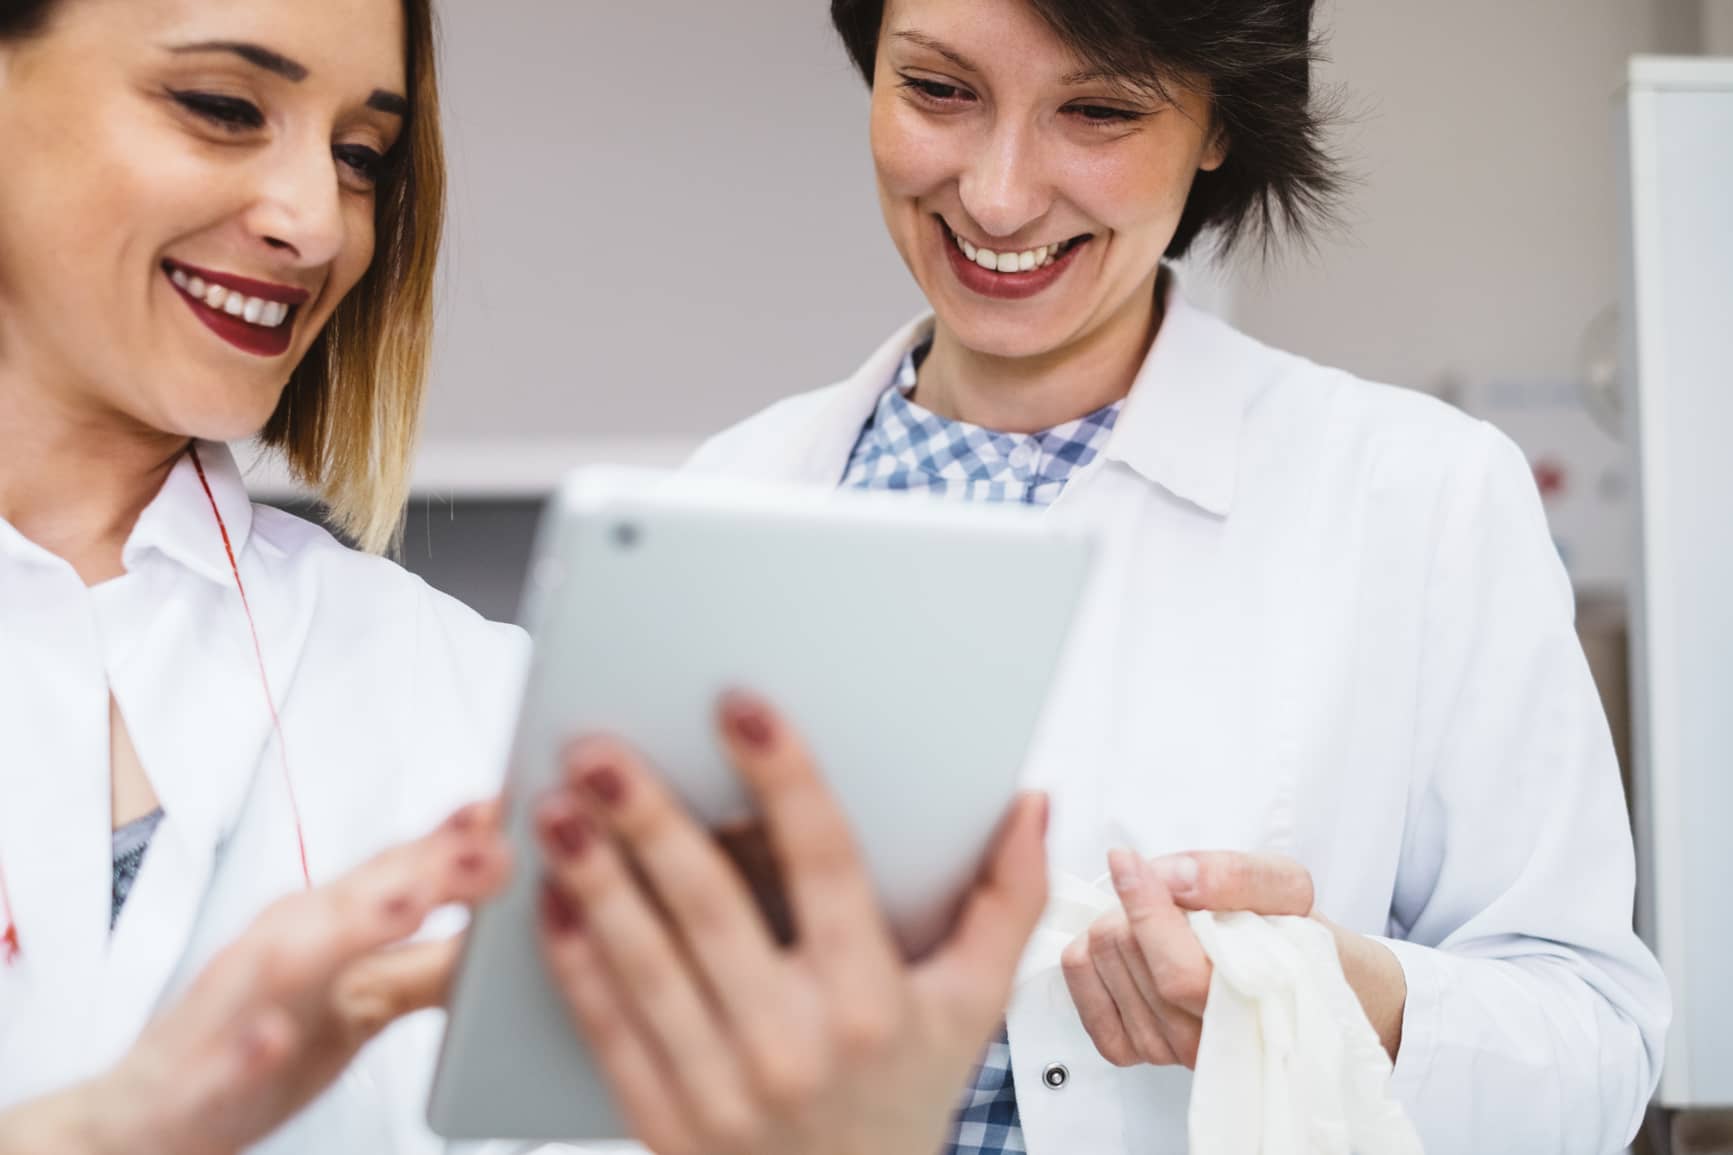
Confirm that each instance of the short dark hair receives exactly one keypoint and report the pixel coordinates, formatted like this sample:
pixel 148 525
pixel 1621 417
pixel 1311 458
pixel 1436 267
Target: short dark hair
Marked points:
pixel 21 18
pixel 1257 56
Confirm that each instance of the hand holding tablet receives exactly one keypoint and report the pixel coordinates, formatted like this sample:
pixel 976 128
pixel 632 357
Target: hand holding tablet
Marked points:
pixel 909 644
pixel 714 1038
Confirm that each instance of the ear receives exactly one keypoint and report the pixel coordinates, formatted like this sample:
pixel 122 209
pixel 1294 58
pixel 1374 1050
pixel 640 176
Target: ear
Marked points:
pixel 1215 152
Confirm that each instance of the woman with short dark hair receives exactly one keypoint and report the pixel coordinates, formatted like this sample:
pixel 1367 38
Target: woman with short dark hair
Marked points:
pixel 1329 668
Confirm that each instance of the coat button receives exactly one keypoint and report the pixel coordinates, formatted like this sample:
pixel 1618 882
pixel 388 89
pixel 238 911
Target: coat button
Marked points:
pixel 1055 1075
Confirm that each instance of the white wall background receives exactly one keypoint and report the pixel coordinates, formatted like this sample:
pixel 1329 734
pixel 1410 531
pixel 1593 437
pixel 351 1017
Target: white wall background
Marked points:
pixel 664 216
pixel 1482 237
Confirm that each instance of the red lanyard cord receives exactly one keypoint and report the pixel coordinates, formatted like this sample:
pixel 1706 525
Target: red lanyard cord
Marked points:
pixel 10 951
pixel 259 656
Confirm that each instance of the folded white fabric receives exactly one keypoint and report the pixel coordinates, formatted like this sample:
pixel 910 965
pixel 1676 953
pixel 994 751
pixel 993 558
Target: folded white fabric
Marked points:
pixel 1288 1063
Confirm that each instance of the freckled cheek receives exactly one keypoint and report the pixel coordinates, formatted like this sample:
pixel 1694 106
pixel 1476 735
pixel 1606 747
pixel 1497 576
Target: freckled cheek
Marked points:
pixel 1131 194
pixel 912 159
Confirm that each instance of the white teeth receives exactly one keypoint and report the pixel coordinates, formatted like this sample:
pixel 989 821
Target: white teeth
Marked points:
pixel 1021 262
pixel 253 310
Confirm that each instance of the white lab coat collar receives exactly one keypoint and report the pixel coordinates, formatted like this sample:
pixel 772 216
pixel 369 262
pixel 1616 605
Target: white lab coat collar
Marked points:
pixel 1180 429
pixel 1183 421
pixel 178 522
pixel 164 639
pixel 819 454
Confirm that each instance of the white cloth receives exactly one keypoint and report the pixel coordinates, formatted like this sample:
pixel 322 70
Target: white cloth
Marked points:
pixel 1288 1063
pixel 396 705
pixel 1328 621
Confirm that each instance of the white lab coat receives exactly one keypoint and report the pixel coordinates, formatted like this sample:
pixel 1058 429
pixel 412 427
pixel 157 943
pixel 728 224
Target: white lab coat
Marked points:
pixel 1328 621
pixel 395 702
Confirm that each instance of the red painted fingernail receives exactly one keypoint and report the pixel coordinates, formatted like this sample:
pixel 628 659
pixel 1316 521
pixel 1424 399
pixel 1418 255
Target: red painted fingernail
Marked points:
pixel 571 834
pixel 471 861
pixel 606 784
pixel 559 912
pixel 750 723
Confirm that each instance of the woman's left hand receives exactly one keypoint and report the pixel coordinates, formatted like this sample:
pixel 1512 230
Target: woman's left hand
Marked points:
pixel 1139 975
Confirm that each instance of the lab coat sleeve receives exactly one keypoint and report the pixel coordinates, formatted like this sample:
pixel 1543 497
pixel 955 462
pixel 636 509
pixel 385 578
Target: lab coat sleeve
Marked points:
pixel 465 679
pixel 459 696
pixel 1535 1016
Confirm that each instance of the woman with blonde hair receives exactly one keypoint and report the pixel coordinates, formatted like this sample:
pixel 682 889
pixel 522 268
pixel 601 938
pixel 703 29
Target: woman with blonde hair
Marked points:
pixel 225 733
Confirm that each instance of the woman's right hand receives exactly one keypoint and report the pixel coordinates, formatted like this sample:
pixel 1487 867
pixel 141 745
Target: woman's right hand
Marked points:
pixel 281 1011
pixel 715 1036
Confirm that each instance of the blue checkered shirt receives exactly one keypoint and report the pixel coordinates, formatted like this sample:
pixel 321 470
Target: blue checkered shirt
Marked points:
pixel 906 447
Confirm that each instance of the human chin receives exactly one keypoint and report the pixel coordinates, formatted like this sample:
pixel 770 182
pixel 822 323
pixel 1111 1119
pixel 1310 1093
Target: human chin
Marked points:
pixel 212 406
pixel 995 330
pixel 208 391
pixel 1009 327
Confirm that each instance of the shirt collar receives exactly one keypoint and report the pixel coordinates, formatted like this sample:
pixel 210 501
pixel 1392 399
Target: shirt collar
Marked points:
pixel 1186 413
pixel 1180 428
pixel 179 524
pixel 926 444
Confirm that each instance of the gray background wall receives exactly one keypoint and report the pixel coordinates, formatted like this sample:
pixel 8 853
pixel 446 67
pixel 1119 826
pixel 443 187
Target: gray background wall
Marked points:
pixel 664 217
pixel 1482 237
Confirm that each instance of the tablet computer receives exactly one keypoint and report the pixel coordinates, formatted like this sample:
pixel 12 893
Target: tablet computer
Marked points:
pixel 910 641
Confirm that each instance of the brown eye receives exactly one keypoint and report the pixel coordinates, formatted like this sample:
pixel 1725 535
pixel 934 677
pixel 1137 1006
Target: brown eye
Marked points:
pixel 1102 114
pixel 366 163
pixel 935 91
pixel 227 112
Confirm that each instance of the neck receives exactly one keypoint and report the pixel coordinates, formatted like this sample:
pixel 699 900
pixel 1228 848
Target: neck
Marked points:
pixel 1031 394
pixel 74 479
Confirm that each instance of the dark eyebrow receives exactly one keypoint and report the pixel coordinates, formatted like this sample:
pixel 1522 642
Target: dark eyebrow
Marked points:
pixel 253 54
pixel 275 62
pixel 1121 85
pixel 1090 76
pixel 388 102
pixel 938 46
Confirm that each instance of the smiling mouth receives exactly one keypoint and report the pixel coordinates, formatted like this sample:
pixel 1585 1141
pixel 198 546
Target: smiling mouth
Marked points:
pixel 1022 261
pixel 262 312
pixel 255 317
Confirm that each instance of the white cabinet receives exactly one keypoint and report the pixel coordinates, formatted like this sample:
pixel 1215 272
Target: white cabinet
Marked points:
pixel 1676 133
